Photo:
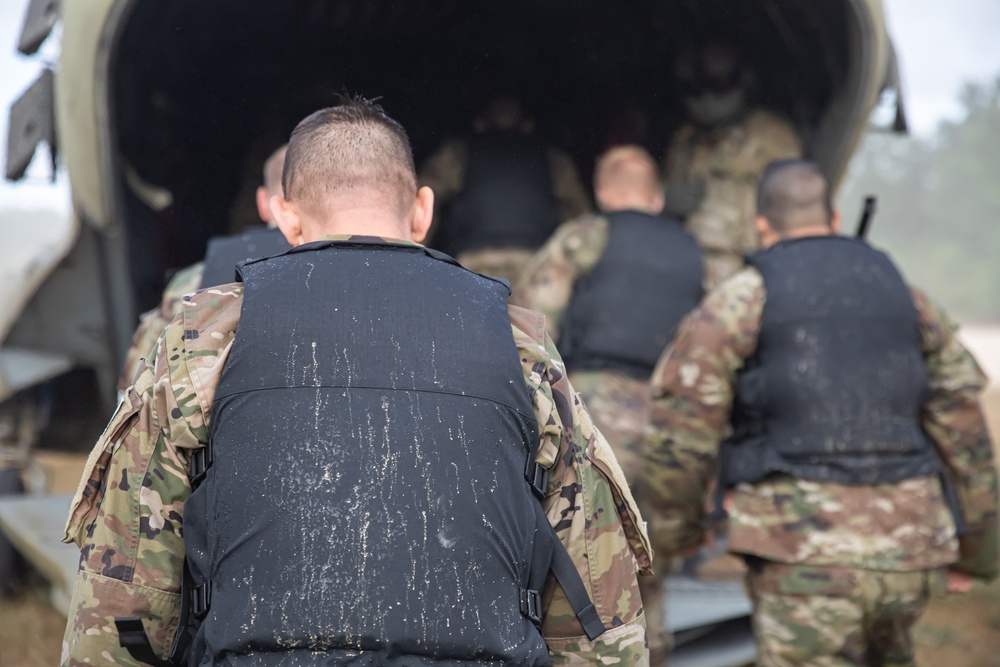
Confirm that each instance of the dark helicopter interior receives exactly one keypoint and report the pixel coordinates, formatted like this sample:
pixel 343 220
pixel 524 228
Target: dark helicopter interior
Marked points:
pixel 202 92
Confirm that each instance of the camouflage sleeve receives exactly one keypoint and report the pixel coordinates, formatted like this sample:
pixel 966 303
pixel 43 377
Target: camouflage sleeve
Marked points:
pixel 126 519
pixel 546 283
pixel 155 321
pixel 444 173
pixel 592 510
pixel 769 138
pixel 567 188
pixel 692 398
pixel 954 419
pixel 128 514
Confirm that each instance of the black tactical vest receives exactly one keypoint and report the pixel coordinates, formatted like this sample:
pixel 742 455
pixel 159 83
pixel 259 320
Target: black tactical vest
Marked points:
pixel 363 497
pixel 224 252
pixel 835 390
pixel 625 311
pixel 506 199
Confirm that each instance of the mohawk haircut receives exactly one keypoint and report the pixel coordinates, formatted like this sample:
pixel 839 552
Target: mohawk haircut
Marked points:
pixel 794 193
pixel 352 149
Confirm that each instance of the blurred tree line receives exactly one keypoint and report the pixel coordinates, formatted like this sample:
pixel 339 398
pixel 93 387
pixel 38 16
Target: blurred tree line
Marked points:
pixel 939 205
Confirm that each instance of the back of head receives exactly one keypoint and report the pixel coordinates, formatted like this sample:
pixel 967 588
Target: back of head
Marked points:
pixel 626 177
pixel 350 155
pixel 273 167
pixel 794 194
pixel 503 113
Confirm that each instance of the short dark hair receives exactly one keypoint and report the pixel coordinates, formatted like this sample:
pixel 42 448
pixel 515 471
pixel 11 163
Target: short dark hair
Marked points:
pixel 794 193
pixel 348 148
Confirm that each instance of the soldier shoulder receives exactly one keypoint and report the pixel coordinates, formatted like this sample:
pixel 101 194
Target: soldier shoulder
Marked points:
pixel 773 128
pixel 185 281
pixel 528 325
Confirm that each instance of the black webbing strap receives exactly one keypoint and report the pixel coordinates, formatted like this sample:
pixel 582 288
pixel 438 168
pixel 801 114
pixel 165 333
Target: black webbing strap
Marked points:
pixel 189 621
pixel 550 555
pixel 132 637
pixel 954 505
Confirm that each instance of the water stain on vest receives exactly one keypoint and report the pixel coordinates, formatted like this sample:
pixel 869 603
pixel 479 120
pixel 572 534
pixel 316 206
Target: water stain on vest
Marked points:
pixel 367 501
pixel 835 388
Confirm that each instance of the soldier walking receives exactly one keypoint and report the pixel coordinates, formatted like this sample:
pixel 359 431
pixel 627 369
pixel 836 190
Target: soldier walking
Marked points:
pixel 858 473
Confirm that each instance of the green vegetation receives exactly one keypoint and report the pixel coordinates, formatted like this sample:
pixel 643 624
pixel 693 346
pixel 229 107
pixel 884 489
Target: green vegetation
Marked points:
pixel 939 205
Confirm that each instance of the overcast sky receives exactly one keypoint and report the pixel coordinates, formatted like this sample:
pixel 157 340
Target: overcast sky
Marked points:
pixel 942 44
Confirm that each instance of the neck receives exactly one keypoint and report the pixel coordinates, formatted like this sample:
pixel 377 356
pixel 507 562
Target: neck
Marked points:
pixel 359 220
pixel 811 230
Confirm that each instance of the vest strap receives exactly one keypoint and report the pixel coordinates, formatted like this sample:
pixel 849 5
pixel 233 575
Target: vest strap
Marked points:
pixel 954 505
pixel 132 637
pixel 189 623
pixel 550 554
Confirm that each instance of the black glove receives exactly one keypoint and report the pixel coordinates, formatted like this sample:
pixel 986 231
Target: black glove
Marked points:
pixel 682 199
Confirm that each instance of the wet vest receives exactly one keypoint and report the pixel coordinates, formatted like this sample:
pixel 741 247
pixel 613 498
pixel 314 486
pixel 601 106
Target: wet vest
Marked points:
pixel 835 389
pixel 224 252
pixel 363 498
pixel 506 199
pixel 625 311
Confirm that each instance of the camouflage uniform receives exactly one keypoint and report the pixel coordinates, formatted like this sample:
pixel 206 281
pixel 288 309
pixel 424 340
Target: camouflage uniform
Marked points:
pixel 729 161
pixel 836 570
pixel 444 173
pixel 127 517
pixel 152 324
pixel 618 404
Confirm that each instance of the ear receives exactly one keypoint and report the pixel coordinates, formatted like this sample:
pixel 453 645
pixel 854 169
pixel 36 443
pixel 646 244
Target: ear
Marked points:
pixel 835 221
pixel 264 204
pixel 288 219
pixel 657 202
pixel 422 215
pixel 768 237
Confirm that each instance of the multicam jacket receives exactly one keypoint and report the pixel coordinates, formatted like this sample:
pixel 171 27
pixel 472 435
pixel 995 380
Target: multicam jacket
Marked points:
pixel 546 285
pixel 128 515
pixel 901 527
pixel 729 161
pixel 152 324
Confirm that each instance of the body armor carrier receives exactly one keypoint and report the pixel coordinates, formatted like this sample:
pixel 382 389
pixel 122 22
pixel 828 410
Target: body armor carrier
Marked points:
pixel 506 199
pixel 225 252
pixel 835 389
pixel 369 494
pixel 650 261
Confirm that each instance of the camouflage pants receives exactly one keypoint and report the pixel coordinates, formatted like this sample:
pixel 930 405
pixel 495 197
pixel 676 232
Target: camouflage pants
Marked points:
pixel 505 263
pixel 806 616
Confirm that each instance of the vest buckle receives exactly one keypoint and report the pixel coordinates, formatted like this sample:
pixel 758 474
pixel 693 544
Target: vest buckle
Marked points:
pixel 201 599
pixel 538 477
pixel 201 461
pixel 531 605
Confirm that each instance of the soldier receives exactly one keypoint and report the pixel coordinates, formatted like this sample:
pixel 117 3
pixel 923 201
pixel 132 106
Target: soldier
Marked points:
pixel 500 192
pixel 223 253
pixel 358 451
pixel 713 164
pixel 613 288
pixel 858 475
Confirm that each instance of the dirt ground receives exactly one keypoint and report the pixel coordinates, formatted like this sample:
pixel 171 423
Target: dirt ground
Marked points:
pixel 958 631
